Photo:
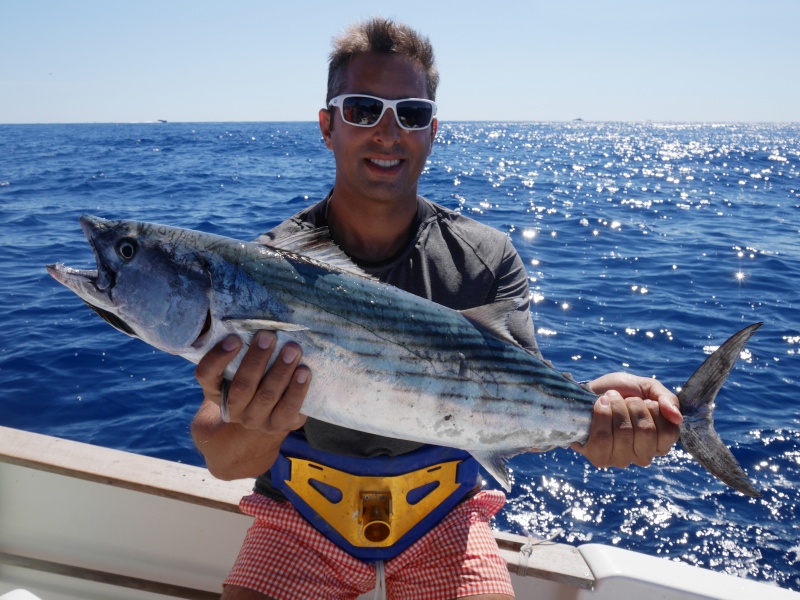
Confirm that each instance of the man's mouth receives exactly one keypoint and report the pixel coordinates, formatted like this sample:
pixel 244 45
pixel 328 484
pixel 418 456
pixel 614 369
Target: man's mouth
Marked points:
pixel 384 164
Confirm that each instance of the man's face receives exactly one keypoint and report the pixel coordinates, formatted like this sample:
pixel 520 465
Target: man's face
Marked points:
pixel 381 163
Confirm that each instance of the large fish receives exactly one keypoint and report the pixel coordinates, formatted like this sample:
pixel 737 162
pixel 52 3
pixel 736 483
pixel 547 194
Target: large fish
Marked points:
pixel 384 361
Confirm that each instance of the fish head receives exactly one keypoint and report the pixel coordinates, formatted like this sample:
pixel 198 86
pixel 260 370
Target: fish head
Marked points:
pixel 151 282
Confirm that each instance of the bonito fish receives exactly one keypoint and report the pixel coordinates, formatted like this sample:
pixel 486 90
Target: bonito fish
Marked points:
pixel 384 361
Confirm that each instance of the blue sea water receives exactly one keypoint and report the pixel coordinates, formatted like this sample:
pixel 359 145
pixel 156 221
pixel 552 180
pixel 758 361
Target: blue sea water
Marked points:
pixel 647 245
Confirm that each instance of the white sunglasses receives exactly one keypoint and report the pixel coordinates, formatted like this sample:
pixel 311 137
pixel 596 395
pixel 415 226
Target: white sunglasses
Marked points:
pixel 367 111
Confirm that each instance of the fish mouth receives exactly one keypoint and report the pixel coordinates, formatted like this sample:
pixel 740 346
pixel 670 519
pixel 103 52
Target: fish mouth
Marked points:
pixel 83 280
pixel 93 286
pixel 84 284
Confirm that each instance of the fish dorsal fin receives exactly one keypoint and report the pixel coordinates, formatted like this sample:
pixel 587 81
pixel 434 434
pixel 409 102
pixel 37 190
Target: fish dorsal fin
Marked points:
pixel 316 245
pixel 494 317
pixel 305 241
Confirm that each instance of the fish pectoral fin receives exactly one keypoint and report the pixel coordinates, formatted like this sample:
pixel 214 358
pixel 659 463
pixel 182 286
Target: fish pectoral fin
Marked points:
pixel 494 317
pixel 259 324
pixel 495 464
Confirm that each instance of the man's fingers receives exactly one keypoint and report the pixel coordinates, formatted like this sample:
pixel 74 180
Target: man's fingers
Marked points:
pixel 286 413
pixel 211 367
pixel 267 408
pixel 248 376
pixel 668 402
pixel 670 409
pixel 668 432
pixel 645 433
pixel 258 398
pixel 600 445
pixel 622 432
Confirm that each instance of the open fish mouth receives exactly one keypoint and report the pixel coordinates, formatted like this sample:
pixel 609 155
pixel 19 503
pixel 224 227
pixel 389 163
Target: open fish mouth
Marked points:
pixel 84 283
pixel 82 280
pixel 92 285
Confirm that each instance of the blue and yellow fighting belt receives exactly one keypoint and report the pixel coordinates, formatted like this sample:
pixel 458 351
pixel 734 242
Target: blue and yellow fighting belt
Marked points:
pixel 373 508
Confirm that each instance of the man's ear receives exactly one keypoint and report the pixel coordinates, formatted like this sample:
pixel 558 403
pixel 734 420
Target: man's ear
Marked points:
pixel 325 126
pixel 434 127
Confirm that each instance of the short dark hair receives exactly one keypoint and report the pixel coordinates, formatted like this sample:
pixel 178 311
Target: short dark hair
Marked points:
pixel 380 36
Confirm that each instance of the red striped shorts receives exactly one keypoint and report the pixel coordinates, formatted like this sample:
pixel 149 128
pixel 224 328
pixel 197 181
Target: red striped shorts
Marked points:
pixel 285 558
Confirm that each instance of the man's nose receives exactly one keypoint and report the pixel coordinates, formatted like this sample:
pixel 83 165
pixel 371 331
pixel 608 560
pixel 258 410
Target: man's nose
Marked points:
pixel 387 129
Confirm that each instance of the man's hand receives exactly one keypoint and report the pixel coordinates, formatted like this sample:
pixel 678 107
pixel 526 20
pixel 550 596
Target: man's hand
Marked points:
pixel 634 420
pixel 258 399
pixel 264 405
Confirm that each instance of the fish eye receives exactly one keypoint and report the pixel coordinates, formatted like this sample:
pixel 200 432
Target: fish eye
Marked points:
pixel 126 248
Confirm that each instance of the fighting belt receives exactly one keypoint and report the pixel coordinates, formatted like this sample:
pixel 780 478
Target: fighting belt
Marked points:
pixel 373 508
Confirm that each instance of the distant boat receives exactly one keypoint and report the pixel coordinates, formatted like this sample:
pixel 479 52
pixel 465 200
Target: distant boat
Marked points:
pixel 161 121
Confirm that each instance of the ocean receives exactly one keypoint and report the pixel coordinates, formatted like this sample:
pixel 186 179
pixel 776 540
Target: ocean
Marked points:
pixel 646 244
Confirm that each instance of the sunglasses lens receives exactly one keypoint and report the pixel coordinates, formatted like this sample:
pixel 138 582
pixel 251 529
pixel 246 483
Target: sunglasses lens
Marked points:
pixel 366 111
pixel 361 110
pixel 414 114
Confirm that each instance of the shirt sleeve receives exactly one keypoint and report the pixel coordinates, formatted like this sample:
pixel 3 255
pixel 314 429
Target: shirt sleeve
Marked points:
pixel 511 282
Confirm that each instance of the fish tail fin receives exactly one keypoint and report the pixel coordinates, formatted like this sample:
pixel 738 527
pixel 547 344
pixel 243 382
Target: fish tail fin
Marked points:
pixel 698 436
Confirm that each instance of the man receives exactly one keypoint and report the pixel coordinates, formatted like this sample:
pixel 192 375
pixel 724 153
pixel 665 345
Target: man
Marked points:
pixel 375 215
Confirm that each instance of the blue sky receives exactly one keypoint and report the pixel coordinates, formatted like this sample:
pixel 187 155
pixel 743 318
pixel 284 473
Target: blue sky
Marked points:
pixel 238 60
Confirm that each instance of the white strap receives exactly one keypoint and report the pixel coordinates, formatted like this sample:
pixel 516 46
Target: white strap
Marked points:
pixel 525 555
pixel 380 581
